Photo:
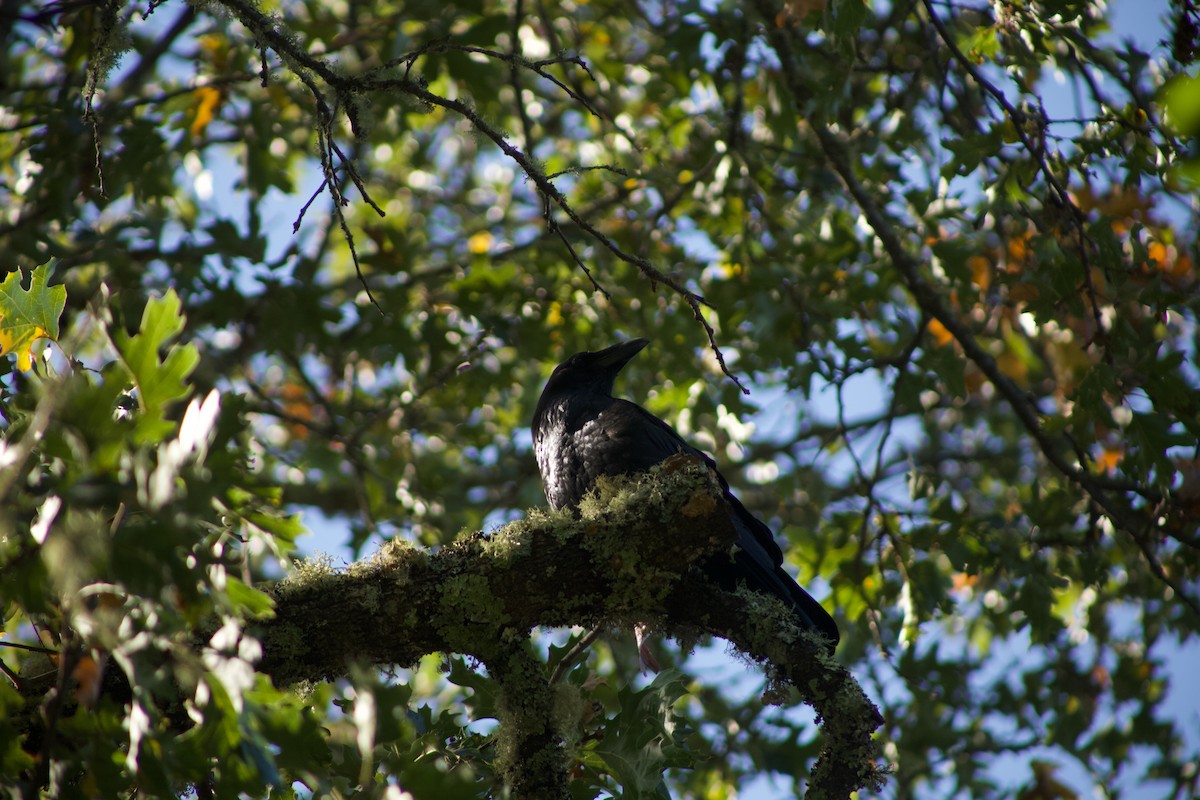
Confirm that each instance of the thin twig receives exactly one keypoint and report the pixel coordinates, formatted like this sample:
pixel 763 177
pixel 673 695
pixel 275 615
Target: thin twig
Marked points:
pixel 553 226
pixel 307 68
pixel 1038 151
pixel 305 207
pixel 575 653
pixel 30 647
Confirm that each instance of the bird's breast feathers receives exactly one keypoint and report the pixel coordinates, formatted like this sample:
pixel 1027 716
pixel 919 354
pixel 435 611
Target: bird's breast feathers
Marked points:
pixel 575 448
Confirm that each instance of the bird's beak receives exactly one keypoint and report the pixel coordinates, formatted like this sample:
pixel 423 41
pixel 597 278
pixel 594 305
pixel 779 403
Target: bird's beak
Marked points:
pixel 619 355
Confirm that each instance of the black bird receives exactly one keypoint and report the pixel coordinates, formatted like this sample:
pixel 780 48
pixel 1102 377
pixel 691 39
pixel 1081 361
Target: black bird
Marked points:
pixel 581 432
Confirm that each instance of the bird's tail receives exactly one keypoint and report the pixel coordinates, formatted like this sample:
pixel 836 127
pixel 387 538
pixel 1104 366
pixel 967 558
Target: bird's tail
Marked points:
pixel 758 566
pixel 743 569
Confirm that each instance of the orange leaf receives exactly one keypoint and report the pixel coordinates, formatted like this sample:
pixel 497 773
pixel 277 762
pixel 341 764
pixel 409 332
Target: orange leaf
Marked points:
pixel 1157 251
pixel 981 271
pixel 962 580
pixel 1180 267
pixel 1018 248
pixel 88 675
pixel 1110 457
pixel 941 336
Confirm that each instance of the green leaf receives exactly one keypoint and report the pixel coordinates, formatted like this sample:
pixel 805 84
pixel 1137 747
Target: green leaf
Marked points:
pixel 646 736
pixel 159 381
pixel 1182 99
pixel 250 602
pixel 13 758
pixel 27 315
pixel 849 16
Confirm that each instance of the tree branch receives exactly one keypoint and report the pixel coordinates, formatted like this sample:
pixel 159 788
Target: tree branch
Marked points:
pixel 626 559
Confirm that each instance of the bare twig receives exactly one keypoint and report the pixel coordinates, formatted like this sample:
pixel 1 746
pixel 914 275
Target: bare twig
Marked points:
pixel 568 660
pixel 552 225
pixel 309 68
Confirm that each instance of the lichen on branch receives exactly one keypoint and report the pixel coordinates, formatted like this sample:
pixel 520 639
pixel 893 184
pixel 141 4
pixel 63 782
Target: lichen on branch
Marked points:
pixel 626 558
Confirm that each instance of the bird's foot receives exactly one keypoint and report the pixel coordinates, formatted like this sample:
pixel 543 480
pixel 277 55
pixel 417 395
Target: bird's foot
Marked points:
pixel 647 659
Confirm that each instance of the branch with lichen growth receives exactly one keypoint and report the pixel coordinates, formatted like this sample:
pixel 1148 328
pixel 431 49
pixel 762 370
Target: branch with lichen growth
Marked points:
pixel 626 559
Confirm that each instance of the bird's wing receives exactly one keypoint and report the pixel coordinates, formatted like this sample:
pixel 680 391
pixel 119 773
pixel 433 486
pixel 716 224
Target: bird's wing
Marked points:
pixel 645 440
pixel 650 441
pixel 639 440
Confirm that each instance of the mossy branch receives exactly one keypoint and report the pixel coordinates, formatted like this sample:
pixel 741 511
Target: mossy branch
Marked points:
pixel 626 559
pixel 617 562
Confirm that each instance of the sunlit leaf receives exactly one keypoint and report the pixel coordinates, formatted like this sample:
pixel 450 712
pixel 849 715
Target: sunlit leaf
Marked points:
pixel 27 315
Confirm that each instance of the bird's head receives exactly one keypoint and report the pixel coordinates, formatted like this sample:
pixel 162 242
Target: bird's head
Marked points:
pixel 594 371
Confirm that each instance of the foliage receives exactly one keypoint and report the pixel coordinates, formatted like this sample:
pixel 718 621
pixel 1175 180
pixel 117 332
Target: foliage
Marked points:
pixel 307 264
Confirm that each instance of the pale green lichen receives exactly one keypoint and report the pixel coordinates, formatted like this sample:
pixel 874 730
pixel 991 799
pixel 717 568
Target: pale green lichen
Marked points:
pixel 395 558
pixel 660 503
pixel 469 609
pixel 769 629
pixel 569 708
pixel 308 574
pixel 505 545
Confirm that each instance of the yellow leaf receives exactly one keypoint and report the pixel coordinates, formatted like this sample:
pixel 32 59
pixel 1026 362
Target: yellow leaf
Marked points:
pixel 554 315
pixel 480 243
pixel 216 48
pixel 1013 366
pixel 208 100
pixel 29 315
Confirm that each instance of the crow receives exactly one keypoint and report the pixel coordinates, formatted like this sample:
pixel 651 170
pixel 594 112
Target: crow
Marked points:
pixel 581 433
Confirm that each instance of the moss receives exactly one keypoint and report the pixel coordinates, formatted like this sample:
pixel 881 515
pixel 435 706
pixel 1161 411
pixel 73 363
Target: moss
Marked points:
pixel 287 642
pixel 369 595
pixel 514 540
pixel 310 574
pixel 568 709
pixel 395 559
pixel 622 507
pixel 529 749
pixel 468 610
